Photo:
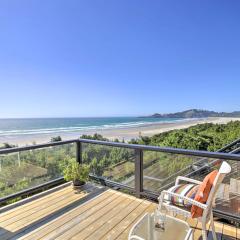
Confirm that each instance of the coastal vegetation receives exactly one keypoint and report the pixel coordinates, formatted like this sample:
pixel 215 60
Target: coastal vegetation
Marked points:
pixel 56 139
pixel 208 137
pixel 6 145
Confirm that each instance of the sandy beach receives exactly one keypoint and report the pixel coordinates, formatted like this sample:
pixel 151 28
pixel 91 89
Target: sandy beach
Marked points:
pixel 120 133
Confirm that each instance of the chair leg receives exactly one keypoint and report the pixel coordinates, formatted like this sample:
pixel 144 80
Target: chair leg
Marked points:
pixel 213 227
pixel 204 230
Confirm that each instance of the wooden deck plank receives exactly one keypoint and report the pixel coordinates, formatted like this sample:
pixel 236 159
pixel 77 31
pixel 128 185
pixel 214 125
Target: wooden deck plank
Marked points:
pixel 35 208
pixel 9 230
pixel 41 210
pixel 100 204
pixel 112 222
pixel 125 222
pixel 87 232
pixel 50 227
pixel 25 207
pixel 229 232
pixel 238 233
pixel 20 225
pixel 79 226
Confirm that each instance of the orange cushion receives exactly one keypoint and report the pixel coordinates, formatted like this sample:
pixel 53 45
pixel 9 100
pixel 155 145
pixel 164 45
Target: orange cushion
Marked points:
pixel 202 193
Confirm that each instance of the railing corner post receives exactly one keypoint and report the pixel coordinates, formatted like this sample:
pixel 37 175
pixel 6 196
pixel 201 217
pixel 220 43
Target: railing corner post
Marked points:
pixel 138 172
pixel 79 152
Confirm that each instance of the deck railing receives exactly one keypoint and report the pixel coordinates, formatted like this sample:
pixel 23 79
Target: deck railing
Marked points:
pixel 141 169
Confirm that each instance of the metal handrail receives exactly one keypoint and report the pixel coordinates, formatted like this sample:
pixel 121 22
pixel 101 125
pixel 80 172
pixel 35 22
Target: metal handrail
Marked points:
pixel 36 146
pixel 197 153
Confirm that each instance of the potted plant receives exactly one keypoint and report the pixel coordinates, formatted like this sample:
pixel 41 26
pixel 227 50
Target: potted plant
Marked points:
pixel 75 172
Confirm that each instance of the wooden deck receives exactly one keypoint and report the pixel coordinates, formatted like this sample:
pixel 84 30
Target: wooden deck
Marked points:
pixel 94 213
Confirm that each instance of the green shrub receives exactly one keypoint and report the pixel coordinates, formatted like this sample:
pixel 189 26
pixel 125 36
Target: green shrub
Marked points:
pixel 75 171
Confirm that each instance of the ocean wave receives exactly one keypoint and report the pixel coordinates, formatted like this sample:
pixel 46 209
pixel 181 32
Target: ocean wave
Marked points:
pixel 83 128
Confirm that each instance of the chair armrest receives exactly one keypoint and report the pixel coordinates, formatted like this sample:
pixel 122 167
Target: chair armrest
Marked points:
pixel 192 201
pixel 185 179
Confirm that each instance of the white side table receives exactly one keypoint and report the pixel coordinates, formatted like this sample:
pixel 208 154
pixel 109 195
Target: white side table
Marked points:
pixel 175 229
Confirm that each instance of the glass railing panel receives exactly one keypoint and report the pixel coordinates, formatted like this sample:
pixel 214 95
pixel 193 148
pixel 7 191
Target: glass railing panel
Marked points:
pixel 113 163
pixel 160 171
pixel 22 170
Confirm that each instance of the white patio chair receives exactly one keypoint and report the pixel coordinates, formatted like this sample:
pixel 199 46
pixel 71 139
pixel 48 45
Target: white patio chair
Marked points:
pixel 207 207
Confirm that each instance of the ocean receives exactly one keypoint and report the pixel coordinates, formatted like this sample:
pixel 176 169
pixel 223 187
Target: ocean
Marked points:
pixel 38 126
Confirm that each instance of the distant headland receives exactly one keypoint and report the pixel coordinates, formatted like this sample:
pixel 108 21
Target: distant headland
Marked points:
pixel 195 113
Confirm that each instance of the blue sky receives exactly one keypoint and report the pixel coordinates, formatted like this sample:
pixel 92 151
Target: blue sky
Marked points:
pixel 111 58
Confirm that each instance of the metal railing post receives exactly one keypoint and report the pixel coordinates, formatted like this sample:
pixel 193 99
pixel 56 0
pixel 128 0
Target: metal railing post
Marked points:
pixel 138 172
pixel 79 152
